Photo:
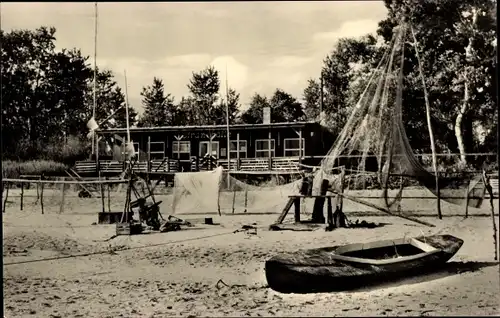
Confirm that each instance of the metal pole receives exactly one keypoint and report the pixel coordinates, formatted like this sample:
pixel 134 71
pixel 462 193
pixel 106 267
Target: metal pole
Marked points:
pixel 228 134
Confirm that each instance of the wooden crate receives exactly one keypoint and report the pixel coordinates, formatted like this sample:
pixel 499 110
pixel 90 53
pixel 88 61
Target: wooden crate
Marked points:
pixel 128 228
pixel 111 217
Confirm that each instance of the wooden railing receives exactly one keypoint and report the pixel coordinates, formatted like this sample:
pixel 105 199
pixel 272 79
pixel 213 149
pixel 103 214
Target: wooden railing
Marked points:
pixel 111 166
pixel 262 164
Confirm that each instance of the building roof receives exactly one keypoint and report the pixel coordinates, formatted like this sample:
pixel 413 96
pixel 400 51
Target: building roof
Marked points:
pixel 211 127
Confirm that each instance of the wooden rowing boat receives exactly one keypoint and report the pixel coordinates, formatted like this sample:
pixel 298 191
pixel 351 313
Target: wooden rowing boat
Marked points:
pixel 355 265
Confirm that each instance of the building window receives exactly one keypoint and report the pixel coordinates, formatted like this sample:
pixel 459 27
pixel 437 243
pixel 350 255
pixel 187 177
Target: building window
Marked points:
pixel 157 150
pixel 181 150
pixel 204 148
pixel 293 147
pixel 243 149
pixel 262 148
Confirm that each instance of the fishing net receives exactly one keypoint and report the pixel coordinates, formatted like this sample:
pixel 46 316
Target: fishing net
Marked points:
pixel 64 196
pixel 372 151
pixel 376 146
pixel 210 192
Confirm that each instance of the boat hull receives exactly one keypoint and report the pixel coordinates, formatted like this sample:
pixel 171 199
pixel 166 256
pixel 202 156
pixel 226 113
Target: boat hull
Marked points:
pixel 318 270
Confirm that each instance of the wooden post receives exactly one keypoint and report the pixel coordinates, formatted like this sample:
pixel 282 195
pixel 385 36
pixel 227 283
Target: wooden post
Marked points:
pixel 238 151
pixel 63 195
pixel 234 197
pixel 102 196
pixel 246 196
pixel 6 196
pixel 300 145
pixel 269 150
pixel 38 190
pixel 340 202
pixel 329 213
pixel 109 196
pixel 319 204
pixel 149 154
pixel 486 181
pixel 22 195
pixel 296 203
pixel 467 199
pixel 41 195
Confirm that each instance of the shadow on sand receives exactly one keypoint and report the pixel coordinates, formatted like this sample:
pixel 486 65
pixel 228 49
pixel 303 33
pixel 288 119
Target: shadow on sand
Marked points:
pixel 448 269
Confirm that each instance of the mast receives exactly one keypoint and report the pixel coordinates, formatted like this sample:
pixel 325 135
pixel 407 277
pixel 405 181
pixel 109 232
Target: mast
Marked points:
pixel 94 137
pixel 228 135
pixel 126 106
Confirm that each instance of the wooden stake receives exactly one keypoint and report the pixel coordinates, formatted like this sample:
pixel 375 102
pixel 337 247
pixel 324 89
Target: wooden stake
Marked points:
pixel 246 196
pixel 41 195
pixel 234 197
pixel 63 194
pixel 6 196
pixel 37 191
pixel 102 196
pixel 340 200
pixel 467 199
pixel 486 181
pixel 22 195
pixel 109 196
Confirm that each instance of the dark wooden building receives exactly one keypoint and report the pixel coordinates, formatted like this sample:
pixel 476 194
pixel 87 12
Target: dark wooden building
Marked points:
pixel 259 147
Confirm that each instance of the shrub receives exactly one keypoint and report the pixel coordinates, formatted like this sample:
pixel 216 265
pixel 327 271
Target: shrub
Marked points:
pixel 13 169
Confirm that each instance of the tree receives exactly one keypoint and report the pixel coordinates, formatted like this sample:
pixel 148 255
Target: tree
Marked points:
pixel 285 107
pixel 47 95
pixel 42 91
pixel 186 113
pixel 159 109
pixel 254 114
pixel 457 48
pixel 345 74
pixel 233 102
pixel 110 103
pixel 312 96
pixel 204 87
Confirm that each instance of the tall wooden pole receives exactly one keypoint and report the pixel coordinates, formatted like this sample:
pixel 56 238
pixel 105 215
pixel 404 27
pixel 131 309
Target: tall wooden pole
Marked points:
pixel 321 99
pixel 95 74
pixel 126 106
pixel 429 124
pixel 228 133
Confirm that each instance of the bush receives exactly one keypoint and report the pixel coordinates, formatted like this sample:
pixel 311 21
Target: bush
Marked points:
pixel 74 149
pixel 13 169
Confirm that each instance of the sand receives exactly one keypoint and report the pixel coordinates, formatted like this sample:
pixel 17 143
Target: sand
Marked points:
pixel 211 271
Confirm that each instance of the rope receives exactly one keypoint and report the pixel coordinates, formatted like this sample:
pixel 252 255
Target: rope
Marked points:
pixel 110 251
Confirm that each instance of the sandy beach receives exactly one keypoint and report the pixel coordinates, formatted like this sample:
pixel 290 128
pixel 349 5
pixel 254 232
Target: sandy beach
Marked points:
pixel 208 270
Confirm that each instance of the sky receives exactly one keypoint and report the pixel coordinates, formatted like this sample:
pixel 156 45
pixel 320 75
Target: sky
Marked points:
pixel 264 45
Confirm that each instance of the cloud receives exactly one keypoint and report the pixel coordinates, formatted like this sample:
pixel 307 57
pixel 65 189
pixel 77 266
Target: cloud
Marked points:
pixel 349 29
pixel 237 72
pixel 290 61
pixel 192 61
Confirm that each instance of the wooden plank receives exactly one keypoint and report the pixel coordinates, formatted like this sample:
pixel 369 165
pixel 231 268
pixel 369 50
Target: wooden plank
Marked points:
pixel 285 211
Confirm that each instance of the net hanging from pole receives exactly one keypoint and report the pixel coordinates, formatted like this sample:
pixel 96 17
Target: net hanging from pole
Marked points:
pixel 375 133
